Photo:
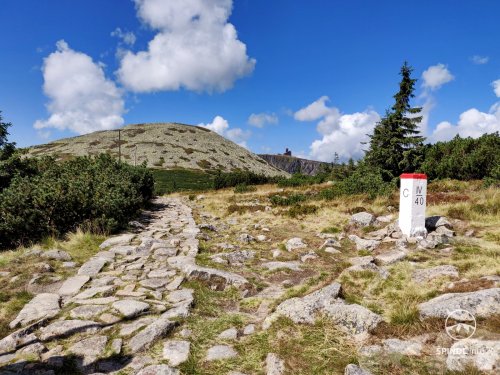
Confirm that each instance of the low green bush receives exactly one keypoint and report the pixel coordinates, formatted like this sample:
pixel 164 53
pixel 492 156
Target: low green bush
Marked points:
pixel 279 200
pixel 231 179
pixel 244 188
pixel 97 193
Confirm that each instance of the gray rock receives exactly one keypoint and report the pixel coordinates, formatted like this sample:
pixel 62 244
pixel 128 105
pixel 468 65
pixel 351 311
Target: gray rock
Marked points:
pixel 116 346
pixel 229 334
pixel 352 318
pixel 481 354
pixel 90 348
pixel 35 349
pixel 428 274
pixel 330 242
pixel 294 244
pixel 130 308
pixel 175 283
pixel 304 309
pixel 123 249
pixel 292 265
pixel 246 238
pixel 143 340
pixel 209 227
pixel 56 255
pixel 69 264
pixel 176 351
pixel 362 244
pixel 103 291
pixel 356 261
pixel 161 273
pixel 42 306
pixel 177 296
pixel 117 240
pixel 87 312
pixel 92 267
pixel 236 257
pixel 128 329
pixel 352 369
pixel 274 365
pixel 62 328
pixel 249 329
pixel 362 219
pixel 403 347
pixel 332 250
pixel 309 256
pixel 219 352
pixel 158 370
pixel 445 231
pixel 23 336
pixel 154 283
pixel 433 222
pixel 95 301
pixel 482 304
pixel 390 257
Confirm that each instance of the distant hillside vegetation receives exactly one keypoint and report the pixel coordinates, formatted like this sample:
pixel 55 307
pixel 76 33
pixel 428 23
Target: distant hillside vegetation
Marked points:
pixel 291 164
pixel 163 146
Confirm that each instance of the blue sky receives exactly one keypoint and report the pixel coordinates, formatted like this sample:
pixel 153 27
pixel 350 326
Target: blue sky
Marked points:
pixel 315 75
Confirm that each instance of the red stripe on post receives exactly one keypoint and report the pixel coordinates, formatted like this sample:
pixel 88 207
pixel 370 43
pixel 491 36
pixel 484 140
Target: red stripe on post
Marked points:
pixel 415 176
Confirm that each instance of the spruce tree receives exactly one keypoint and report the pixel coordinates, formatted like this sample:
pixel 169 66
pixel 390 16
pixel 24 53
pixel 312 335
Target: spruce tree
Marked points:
pixel 396 145
pixel 6 148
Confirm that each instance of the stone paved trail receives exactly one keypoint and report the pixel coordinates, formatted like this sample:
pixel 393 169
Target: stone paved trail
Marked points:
pixel 118 304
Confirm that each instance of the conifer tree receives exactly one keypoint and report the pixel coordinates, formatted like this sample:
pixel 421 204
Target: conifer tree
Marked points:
pixel 396 145
pixel 6 148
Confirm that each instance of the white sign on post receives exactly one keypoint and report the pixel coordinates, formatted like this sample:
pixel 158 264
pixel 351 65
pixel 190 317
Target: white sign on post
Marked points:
pixel 412 200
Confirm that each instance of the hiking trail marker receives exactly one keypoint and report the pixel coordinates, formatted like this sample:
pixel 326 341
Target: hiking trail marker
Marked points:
pixel 412 201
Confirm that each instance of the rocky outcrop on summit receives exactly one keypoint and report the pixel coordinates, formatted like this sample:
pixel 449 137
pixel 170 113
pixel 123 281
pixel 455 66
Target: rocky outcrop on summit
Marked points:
pixel 293 165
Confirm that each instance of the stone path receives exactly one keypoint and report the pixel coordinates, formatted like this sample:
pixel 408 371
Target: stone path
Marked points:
pixel 121 301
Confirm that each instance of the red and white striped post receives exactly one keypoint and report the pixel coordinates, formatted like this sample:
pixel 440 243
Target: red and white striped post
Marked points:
pixel 412 201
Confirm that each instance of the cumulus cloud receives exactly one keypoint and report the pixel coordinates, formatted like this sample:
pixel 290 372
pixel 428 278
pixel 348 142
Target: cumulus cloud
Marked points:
pixel 472 123
pixel 480 60
pixel 341 133
pixel 81 98
pixel 195 48
pixel 126 37
pixel 496 87
pixel 221 126
pixel 435 76
pixel 314 111
pixel 260 119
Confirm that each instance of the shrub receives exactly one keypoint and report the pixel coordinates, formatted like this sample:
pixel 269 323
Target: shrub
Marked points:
pixel 363 180
pixel 98 193
pixel 301 210
pixel 244 188
pixel 231 179
pixel 464 158
pixel 279 200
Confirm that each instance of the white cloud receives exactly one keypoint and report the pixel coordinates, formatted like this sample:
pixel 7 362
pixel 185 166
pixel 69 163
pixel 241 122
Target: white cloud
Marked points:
pixel 435 76
pixel 496 87
pixel 472 123
pixel 81 98
pixel 220 125
pixel 480 60
pixel 260 119
pixel 341 133
pixel 195 48
pixel 314 111
pixel 126 37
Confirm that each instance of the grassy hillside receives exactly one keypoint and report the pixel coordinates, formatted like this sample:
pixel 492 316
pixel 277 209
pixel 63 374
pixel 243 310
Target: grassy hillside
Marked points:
pixel 162 146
